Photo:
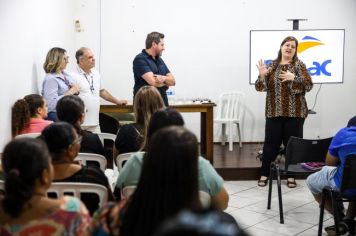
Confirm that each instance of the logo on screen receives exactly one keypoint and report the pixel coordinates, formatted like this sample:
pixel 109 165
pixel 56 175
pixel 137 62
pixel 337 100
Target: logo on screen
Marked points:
pixel 308 42
pixel 317 68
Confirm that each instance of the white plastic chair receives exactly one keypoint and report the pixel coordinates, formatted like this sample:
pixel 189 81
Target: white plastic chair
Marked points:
pixel 114 173
pixel 84 157
pixel 122 158
pixel 120 161
pixel 75 189
pixel 229 112
pixel 28 135
pixel 103 136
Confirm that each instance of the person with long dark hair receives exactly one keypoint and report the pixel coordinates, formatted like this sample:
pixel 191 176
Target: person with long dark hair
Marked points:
pixel 209 180
pixel 286 80
pixel 28 115
pixel 64 144
pixel 168 184
pixel 25 208
pixel 71 109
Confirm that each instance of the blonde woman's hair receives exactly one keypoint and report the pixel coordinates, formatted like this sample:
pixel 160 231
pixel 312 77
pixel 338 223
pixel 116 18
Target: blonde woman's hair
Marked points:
pixel 54 60
pixel 147 101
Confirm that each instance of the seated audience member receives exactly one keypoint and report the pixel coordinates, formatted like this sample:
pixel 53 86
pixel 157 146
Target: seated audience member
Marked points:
pixel 25 208
pixel 29 114
pixel 200 223
pixel 342 145
pixel 166 186
pixel 71 109
pixel 130 137
pixel 63 144
pixel 209 180
pixel 57 83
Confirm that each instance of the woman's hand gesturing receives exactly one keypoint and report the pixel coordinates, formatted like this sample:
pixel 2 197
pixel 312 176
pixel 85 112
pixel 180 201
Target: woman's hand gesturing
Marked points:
pixel 262 68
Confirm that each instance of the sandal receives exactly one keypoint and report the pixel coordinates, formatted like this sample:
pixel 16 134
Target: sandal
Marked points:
pixel 262 182
pixel 291 183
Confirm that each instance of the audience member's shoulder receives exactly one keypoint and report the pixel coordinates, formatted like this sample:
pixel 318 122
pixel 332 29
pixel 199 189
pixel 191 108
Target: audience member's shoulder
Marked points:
pixel 93 169
pixel 350 128
pixel 346 130
pixel 203 161
pixel 136 159
pixel 86 133
pixel 138 155
pixel 72 204
pixel 127 127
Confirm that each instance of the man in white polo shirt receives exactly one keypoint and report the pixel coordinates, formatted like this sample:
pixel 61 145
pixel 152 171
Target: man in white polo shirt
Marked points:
pixel 90 89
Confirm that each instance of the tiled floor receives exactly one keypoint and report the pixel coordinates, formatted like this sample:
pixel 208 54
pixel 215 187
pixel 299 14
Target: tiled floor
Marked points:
pixel 248 205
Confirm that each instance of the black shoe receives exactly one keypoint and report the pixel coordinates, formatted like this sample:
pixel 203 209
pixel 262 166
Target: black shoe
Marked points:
pixel 330 230
pixel 350 225
pixel 346 225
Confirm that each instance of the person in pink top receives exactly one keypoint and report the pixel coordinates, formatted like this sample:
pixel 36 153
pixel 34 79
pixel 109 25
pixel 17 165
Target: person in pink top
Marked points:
pixel 29 114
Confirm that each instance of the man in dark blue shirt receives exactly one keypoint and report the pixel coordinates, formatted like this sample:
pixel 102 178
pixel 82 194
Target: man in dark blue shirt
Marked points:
pixel 150 69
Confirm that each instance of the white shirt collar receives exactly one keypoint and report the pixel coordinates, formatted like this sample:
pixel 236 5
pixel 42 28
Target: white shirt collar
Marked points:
pixel 81 71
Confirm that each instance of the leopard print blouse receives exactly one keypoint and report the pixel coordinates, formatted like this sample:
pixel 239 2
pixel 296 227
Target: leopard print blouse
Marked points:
pixel 286 99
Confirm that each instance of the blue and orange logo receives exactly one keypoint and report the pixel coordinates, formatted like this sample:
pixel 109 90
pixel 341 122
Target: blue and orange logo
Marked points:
pixel 318 68
pixel 308 42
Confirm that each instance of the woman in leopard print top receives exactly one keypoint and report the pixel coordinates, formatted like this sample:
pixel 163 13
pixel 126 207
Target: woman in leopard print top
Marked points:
pixel 286 80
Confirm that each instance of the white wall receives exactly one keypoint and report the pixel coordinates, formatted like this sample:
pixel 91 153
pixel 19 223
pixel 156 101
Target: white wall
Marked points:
pixel 88 14
pixel 28 29
pixel 207 49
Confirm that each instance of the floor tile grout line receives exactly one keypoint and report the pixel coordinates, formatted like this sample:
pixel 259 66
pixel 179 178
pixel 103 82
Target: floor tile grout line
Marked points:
pixel 271 216
pixel 285 224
